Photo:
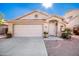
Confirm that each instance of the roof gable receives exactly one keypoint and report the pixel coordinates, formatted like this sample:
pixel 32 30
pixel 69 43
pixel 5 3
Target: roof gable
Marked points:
pixel 35 15
pixel 58 18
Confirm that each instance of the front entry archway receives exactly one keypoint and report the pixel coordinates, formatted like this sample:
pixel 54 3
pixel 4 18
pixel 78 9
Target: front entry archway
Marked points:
pixel 53 28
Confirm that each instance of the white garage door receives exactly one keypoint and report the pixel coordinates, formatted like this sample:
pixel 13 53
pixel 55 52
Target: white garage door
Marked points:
pixel 28 30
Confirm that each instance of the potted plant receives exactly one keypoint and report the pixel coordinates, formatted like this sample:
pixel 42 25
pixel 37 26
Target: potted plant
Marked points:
pixel 66 34
pixel 45 34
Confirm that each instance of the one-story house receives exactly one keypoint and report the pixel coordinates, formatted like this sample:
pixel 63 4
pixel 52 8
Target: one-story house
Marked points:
pixel 35 23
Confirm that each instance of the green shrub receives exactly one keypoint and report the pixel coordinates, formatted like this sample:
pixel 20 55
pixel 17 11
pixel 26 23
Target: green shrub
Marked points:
pixel 66 33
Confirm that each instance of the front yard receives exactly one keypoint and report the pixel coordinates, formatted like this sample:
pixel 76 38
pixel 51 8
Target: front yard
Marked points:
pixel 63 47
pixel 37 46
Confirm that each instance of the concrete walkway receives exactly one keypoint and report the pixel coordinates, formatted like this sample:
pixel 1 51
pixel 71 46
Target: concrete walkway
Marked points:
pixel 53 38
pixel 22 47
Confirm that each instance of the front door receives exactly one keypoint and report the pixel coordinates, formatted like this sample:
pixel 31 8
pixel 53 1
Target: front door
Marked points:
pixel 52 29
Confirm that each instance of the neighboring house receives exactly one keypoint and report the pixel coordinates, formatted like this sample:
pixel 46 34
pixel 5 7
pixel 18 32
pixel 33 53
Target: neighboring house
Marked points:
pixel 35 23
pixel 72 18
pixel 3 29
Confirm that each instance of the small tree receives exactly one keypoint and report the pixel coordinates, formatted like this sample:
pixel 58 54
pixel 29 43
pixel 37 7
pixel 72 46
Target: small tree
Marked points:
pixel 1 19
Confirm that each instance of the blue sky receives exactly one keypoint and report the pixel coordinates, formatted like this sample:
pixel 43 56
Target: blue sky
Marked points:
pixel 13 10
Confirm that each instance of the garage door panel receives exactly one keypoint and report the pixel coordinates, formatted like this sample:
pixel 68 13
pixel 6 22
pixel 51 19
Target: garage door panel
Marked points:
pixel 28 30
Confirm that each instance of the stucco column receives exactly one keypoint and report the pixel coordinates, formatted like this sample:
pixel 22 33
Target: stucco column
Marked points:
pixel 56 28
pixel 10 28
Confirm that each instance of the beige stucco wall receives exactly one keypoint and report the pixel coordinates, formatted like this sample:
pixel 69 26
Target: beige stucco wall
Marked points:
pixel 60 23
pixel 10 28
pixel 45 26
pixel 27 22
pixel 59 28
pixel 32 15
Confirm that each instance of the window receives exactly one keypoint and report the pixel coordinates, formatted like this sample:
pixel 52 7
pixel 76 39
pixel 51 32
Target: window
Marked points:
pixel 62 28
pixel 36 16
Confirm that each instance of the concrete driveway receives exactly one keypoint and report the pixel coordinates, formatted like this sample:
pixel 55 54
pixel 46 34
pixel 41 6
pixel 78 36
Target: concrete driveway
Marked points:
pixel 22 47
